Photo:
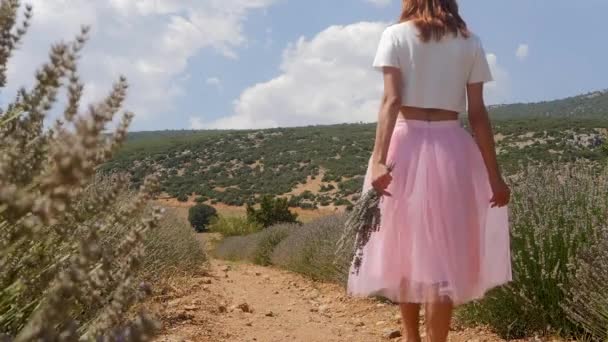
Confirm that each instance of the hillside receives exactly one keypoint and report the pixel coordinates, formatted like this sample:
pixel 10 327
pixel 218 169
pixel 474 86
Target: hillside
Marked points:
pixel 322 166
pixel 590 105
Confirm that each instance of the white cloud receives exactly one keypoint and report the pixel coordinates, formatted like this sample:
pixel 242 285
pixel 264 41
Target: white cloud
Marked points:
pixel 150 42
pixel 380 3
pixel 196 123
pixel 498 91
pixel 522 52
pixel 214 82
pixel 327 79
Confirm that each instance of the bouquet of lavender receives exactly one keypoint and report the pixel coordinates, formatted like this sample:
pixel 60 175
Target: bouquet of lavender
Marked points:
pixel 363 220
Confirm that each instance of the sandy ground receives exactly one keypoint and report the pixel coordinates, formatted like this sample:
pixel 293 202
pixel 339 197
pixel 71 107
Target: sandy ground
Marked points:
pixel 237 301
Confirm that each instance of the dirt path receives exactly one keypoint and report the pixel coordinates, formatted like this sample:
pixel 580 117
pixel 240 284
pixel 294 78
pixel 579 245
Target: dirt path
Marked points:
pixel 245 302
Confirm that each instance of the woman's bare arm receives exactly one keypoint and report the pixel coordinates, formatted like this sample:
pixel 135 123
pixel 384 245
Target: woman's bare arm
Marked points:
pixel 480 124
pixel 482 129
pixel 389 110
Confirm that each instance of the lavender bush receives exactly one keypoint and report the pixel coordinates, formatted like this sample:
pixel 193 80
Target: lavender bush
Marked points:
pixel 71 242
pixel 310 250
pixel 237 247
pixel 587 300
pixel 257 247
pixel 557 212
pixel 172 249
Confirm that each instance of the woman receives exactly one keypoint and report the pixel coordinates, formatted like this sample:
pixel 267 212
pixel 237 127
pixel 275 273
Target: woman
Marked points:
pixel 444 238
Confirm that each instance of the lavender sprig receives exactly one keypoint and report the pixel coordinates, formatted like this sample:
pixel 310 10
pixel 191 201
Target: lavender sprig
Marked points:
pixel 363 220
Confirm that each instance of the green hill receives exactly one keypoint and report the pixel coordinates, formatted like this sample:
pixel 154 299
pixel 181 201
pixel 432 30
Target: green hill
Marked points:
pixel 317 166
pixel 590 105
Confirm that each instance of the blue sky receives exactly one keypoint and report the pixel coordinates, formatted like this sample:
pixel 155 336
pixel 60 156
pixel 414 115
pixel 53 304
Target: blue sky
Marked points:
pixel 265 63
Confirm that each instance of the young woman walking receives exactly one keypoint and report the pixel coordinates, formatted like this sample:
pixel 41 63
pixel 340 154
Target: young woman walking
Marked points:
pixel 443 239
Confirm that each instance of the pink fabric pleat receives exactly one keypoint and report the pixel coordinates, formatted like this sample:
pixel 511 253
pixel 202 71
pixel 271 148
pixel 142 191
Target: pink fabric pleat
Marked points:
pixel 438 236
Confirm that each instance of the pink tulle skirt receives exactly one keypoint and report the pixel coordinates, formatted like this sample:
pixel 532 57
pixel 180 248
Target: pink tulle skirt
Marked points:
pixel 438 239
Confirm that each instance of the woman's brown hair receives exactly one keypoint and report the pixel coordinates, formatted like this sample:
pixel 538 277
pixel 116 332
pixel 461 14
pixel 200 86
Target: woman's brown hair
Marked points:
pixel 434 18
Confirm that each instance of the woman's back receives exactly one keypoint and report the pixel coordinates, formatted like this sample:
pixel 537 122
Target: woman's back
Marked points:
pixel 434 73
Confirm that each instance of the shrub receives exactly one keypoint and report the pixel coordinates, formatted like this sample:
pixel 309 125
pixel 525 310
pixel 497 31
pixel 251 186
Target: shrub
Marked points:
pixel 309 250
pixel 70 242
pixel 342 201
pixel 309 206
pixel 326 188
pixel 182 198
pixel 200 216
pixel 272 211
pixel 556 213
pixel 233 226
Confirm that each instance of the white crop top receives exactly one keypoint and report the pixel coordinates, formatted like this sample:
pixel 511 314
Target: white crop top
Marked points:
pixel 435 73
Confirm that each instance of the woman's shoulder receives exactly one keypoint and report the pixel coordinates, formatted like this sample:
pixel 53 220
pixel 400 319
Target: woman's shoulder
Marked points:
pixel 400 27
pixel 400 30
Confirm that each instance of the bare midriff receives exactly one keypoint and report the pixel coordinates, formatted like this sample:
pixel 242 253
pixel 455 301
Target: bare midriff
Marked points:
pixel 427 114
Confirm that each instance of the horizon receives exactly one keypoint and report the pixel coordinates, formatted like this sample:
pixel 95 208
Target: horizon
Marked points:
pixel 601 91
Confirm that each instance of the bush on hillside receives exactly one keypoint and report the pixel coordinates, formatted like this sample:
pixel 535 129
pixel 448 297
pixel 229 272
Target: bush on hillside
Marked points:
pixel 70 242
pixel 272 211
pixel 200 216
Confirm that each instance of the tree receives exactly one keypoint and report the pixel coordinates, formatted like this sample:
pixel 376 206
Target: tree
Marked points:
pixel 272 211
pixel 200 216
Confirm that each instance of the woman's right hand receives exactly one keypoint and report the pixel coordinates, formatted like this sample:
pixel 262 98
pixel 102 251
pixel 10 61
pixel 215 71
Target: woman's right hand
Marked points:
pixel 381 178
pixel 501 193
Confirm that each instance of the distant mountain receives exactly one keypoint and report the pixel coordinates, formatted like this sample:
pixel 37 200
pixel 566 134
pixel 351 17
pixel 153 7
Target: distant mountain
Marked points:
pixel 322 166
pixel 591 105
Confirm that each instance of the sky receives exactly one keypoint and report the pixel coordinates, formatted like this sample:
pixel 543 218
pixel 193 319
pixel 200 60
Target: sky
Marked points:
pixel 207 64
